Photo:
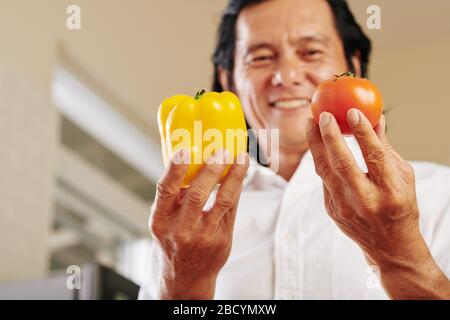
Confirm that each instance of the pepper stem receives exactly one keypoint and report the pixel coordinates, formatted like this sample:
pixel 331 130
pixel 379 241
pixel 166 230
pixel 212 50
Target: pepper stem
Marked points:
pixel 199 94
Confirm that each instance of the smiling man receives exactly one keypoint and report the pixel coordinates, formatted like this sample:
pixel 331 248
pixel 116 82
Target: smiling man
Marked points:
pixel 335 211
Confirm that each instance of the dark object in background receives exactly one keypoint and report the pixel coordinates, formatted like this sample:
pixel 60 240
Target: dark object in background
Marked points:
pixel 97 283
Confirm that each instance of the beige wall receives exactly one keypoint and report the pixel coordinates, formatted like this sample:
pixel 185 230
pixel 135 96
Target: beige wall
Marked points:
pixel 28 133
pixel 410 65
pixel 137 52
pixel 414 81
pixel 130 54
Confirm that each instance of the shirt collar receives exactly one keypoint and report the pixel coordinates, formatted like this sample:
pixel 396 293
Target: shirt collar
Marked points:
pixel 305 169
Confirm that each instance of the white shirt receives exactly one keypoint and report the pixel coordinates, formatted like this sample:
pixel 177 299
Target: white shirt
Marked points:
pixel 285 246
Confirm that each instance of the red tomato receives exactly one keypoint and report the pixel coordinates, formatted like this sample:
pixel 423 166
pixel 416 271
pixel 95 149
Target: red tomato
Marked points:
pixel 341 93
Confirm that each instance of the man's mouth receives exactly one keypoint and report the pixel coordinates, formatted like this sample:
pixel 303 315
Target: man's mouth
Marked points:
pixel 291 103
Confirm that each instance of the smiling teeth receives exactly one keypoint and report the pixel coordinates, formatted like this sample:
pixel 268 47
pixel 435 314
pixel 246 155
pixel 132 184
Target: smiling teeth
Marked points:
pixel 292 104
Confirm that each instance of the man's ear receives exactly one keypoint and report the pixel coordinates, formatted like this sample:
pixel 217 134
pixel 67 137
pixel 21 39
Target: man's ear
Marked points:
pixel 356 60
pixel 224 78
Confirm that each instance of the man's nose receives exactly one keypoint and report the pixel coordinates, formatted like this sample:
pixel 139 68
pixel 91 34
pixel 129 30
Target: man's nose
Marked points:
pixel 288 73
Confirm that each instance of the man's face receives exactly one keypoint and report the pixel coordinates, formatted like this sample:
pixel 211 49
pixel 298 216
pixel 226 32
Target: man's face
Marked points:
pixel 284 49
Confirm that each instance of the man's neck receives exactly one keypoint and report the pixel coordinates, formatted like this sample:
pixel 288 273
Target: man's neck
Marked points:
pixel 288 163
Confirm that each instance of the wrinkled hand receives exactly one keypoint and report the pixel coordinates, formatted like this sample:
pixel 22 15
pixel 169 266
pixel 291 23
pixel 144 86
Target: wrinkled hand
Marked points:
pixel 195 244
pixel 377 209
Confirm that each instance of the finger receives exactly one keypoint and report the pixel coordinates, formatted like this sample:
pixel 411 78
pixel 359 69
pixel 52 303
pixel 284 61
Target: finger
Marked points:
pixel 339 155
pixel 181 195
pixel 318 151
pixel 228 219
pixel 168 187
pixel 380 129
pixel 201 187
pixel 332 208
pixel 228 195
pixel 320 157
pixel 329 205
pixel 372 147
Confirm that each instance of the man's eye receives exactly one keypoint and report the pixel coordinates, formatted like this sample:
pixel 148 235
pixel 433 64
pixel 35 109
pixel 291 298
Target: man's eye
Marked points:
pixel 260 60
pixel 312 54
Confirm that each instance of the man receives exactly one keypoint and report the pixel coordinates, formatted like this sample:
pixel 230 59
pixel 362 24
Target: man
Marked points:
pixel 317 227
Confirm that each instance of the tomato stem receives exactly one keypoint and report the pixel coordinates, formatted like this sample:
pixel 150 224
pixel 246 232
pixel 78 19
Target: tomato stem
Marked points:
pixel 345 74
pixel 199 94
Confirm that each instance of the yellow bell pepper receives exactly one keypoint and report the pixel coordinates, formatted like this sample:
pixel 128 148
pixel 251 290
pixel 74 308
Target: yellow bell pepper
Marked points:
pixel 203 124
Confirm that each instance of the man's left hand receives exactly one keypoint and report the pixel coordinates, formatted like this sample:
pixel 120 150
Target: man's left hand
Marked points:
pixel 377 209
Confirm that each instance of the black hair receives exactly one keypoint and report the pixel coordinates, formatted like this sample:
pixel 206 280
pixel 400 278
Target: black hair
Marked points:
pixel 353 38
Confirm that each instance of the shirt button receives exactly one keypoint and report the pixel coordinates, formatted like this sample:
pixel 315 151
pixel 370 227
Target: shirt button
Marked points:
pixel 288 237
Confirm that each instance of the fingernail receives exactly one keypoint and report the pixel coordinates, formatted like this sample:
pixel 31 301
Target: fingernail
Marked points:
pixel 213 158
pixel 225 157
pixel 181 156
pixel 186 156
pixel 177 158
pixel 353 117
pixel 242 158
pixel 324 119
pixel 220 157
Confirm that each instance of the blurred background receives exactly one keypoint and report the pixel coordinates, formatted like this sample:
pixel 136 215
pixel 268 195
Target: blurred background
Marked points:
pixel 79 146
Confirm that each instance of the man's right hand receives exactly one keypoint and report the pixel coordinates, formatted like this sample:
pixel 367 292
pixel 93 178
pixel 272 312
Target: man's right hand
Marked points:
pixel 195 244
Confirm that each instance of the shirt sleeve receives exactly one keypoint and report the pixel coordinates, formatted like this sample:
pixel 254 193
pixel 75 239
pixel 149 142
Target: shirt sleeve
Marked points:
pixel 433 198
